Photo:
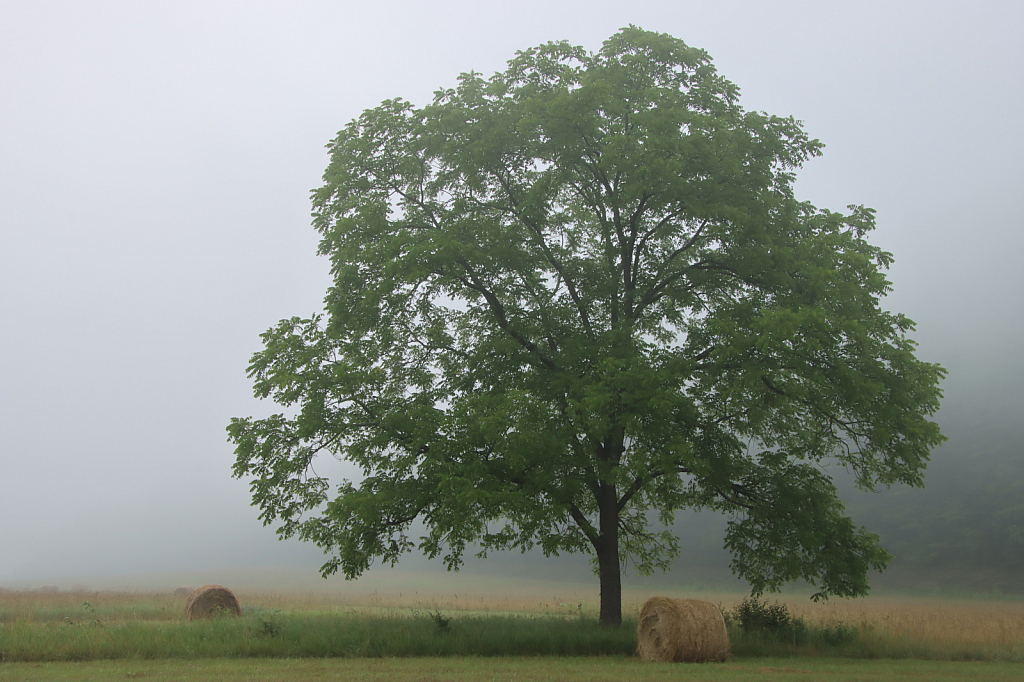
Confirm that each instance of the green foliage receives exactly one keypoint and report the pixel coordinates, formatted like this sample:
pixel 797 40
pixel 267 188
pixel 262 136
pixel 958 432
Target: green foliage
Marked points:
pixel 440 620
pixel 757 616
pixel 760 628
pixel 270 620
pixel 767 622
pixel 837 635
pixel 577 297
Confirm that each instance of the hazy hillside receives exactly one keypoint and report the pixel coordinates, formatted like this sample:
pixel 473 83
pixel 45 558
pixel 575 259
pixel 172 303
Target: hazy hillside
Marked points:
pixel 966 527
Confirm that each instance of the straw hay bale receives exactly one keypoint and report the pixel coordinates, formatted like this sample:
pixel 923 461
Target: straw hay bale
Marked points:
pixel 183 591
pixel 683 630
pixel 211 600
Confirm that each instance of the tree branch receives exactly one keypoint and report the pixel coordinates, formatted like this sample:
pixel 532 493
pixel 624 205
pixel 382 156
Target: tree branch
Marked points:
pixel 581 521
pixel 498 309
pixel 557 264
pixel 656 292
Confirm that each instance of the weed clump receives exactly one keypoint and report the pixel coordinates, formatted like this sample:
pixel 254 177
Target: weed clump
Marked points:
pixel 440 620
pixel 769 628
pixel 767 622
pixel 757 616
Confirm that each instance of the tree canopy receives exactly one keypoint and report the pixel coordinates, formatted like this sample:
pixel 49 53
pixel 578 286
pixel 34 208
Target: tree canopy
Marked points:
pixel 571 299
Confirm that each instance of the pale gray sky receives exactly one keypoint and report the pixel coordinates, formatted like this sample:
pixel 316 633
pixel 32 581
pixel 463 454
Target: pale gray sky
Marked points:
pixel 155 165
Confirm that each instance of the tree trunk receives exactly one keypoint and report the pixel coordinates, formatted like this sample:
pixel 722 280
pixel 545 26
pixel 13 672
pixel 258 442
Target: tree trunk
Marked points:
pixel 608 559
pixel 611 587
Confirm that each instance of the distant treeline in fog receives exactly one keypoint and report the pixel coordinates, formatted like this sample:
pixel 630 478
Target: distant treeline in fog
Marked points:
pixel 965 528
pixel 963 531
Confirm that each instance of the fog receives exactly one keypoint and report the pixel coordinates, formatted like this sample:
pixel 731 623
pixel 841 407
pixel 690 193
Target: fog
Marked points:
pixel 155 167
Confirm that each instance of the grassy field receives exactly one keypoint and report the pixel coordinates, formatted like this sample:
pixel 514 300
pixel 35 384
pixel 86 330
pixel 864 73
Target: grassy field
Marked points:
pixel 411 636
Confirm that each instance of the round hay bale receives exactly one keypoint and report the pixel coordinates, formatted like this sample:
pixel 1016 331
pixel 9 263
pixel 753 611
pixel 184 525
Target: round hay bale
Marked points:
pixel 183 591
pixel 211 600
pixel 682 630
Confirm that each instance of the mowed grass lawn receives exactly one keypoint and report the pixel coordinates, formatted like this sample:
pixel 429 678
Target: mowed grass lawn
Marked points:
pixel 590 669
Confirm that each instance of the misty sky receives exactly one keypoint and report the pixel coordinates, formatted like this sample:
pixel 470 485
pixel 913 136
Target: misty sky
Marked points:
pixel 155 166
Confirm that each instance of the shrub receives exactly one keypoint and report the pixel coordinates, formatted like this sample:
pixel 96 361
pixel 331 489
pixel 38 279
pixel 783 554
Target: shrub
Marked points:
pixel 774 620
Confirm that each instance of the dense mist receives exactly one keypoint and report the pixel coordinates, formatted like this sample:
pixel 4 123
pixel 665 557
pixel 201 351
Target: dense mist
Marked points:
pixel 155 167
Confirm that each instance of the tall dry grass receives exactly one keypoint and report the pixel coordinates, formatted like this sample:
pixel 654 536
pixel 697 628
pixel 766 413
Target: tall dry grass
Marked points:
pixel 951 629
pixel 39 606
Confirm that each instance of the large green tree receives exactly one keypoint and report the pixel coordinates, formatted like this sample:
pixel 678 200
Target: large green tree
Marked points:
pixel 572 299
